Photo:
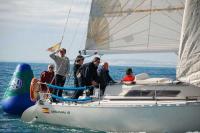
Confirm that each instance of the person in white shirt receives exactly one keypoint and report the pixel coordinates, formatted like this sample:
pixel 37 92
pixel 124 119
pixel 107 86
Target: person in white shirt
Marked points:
pixel 62 69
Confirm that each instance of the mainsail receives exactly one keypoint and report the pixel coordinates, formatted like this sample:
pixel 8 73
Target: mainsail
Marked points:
pixel 135 25
pixel 188 69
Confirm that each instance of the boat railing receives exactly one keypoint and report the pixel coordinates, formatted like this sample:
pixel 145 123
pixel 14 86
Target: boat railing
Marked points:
pixel 132 94
pixel 46 96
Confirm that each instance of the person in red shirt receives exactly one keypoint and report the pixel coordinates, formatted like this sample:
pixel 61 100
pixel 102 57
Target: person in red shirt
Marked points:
pixel 47 77
pixel 129 78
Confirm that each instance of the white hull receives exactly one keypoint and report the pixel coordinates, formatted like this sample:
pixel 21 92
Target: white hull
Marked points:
pixel 135 116
pixel 119 113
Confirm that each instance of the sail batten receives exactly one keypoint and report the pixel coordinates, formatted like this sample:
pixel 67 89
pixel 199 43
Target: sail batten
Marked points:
pixel 115 24
pixel 146 10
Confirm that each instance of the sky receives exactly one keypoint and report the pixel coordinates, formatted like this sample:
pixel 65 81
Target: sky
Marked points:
pixel 29 27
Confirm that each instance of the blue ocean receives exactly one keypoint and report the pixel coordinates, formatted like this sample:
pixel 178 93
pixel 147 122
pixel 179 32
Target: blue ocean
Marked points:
pixel 9 123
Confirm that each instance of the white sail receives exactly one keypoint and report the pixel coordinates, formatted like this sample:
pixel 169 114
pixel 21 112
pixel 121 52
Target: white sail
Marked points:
pixel 188 69
pixel 135 25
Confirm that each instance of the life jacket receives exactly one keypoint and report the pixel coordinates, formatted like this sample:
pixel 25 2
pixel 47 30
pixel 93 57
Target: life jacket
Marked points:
pixel 129 78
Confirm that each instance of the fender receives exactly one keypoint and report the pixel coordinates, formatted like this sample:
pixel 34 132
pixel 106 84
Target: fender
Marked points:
pixel 34 89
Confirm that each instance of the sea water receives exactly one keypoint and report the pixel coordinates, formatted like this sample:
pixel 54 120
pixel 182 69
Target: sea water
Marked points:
pixel 9 123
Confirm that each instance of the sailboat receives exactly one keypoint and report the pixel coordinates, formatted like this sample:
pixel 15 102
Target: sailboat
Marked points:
pixel 152 104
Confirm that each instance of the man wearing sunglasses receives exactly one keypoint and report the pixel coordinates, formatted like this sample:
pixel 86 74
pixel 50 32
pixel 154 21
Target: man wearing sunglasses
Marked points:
pixel 87 76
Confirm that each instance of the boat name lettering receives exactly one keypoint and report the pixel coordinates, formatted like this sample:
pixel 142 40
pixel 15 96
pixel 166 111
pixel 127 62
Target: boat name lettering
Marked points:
pixel 58 111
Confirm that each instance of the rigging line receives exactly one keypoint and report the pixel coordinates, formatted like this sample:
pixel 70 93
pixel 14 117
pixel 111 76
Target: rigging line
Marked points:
pixel 148 39
pixel 181 1
pixel 122 8
pixel 96 23
pixel 127 15
pixel 178 23
pixel 70 71
pixel 165 27
pixel 84 32
pixel 102 21
pixel 85 36
pixel 131 24
pixel 181 15
pixel 90 30
pixel 66 22
pixel 103 29
pixel 136 33
pixel 127 26
pixel 123 18
pixel 148 10
pixel 77 27
pixel 141 45
pixel 131 44
pixel 69 44
pixel 105 40
pixel 90 24
pixel 166 38
pixel 170 39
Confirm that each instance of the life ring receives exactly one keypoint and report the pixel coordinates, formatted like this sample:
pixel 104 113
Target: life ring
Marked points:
pixel 34 89
pixel 46 95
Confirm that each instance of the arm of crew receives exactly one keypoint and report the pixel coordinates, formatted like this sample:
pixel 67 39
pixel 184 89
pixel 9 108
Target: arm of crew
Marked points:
pixel 53 55
pixel 68 66
pixel 110 79
pixel 42 77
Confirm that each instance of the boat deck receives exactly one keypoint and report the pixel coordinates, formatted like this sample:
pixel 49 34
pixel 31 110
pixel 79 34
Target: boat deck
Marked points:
pixel 127 103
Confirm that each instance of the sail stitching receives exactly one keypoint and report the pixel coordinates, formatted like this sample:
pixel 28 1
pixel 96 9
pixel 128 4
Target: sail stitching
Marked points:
pixel 103 29
pixel 123 18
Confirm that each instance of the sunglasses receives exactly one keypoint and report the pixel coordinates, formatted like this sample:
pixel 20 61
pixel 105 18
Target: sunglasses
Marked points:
pixel 97 61
pixel 79 60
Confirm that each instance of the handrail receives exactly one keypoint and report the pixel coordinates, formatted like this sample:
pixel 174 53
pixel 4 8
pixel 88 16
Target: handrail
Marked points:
pixel 69 88
pixel 70 99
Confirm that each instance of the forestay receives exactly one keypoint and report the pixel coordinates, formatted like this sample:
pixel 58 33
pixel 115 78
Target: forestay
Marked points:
pixel 188 69
pixel 135 25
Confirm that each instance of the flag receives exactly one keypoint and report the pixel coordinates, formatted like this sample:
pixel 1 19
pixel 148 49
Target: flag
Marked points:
pixel 55 47
pixel 45 110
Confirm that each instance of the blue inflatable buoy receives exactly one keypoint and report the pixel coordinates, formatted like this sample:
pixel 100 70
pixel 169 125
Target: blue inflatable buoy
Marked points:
pixel 17 96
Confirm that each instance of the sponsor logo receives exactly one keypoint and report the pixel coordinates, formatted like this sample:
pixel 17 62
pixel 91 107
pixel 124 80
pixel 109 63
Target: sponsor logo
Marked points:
pixel 16 83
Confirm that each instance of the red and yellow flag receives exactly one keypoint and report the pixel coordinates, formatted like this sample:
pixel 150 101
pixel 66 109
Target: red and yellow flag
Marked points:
pixel 45 110
pixel 55 47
